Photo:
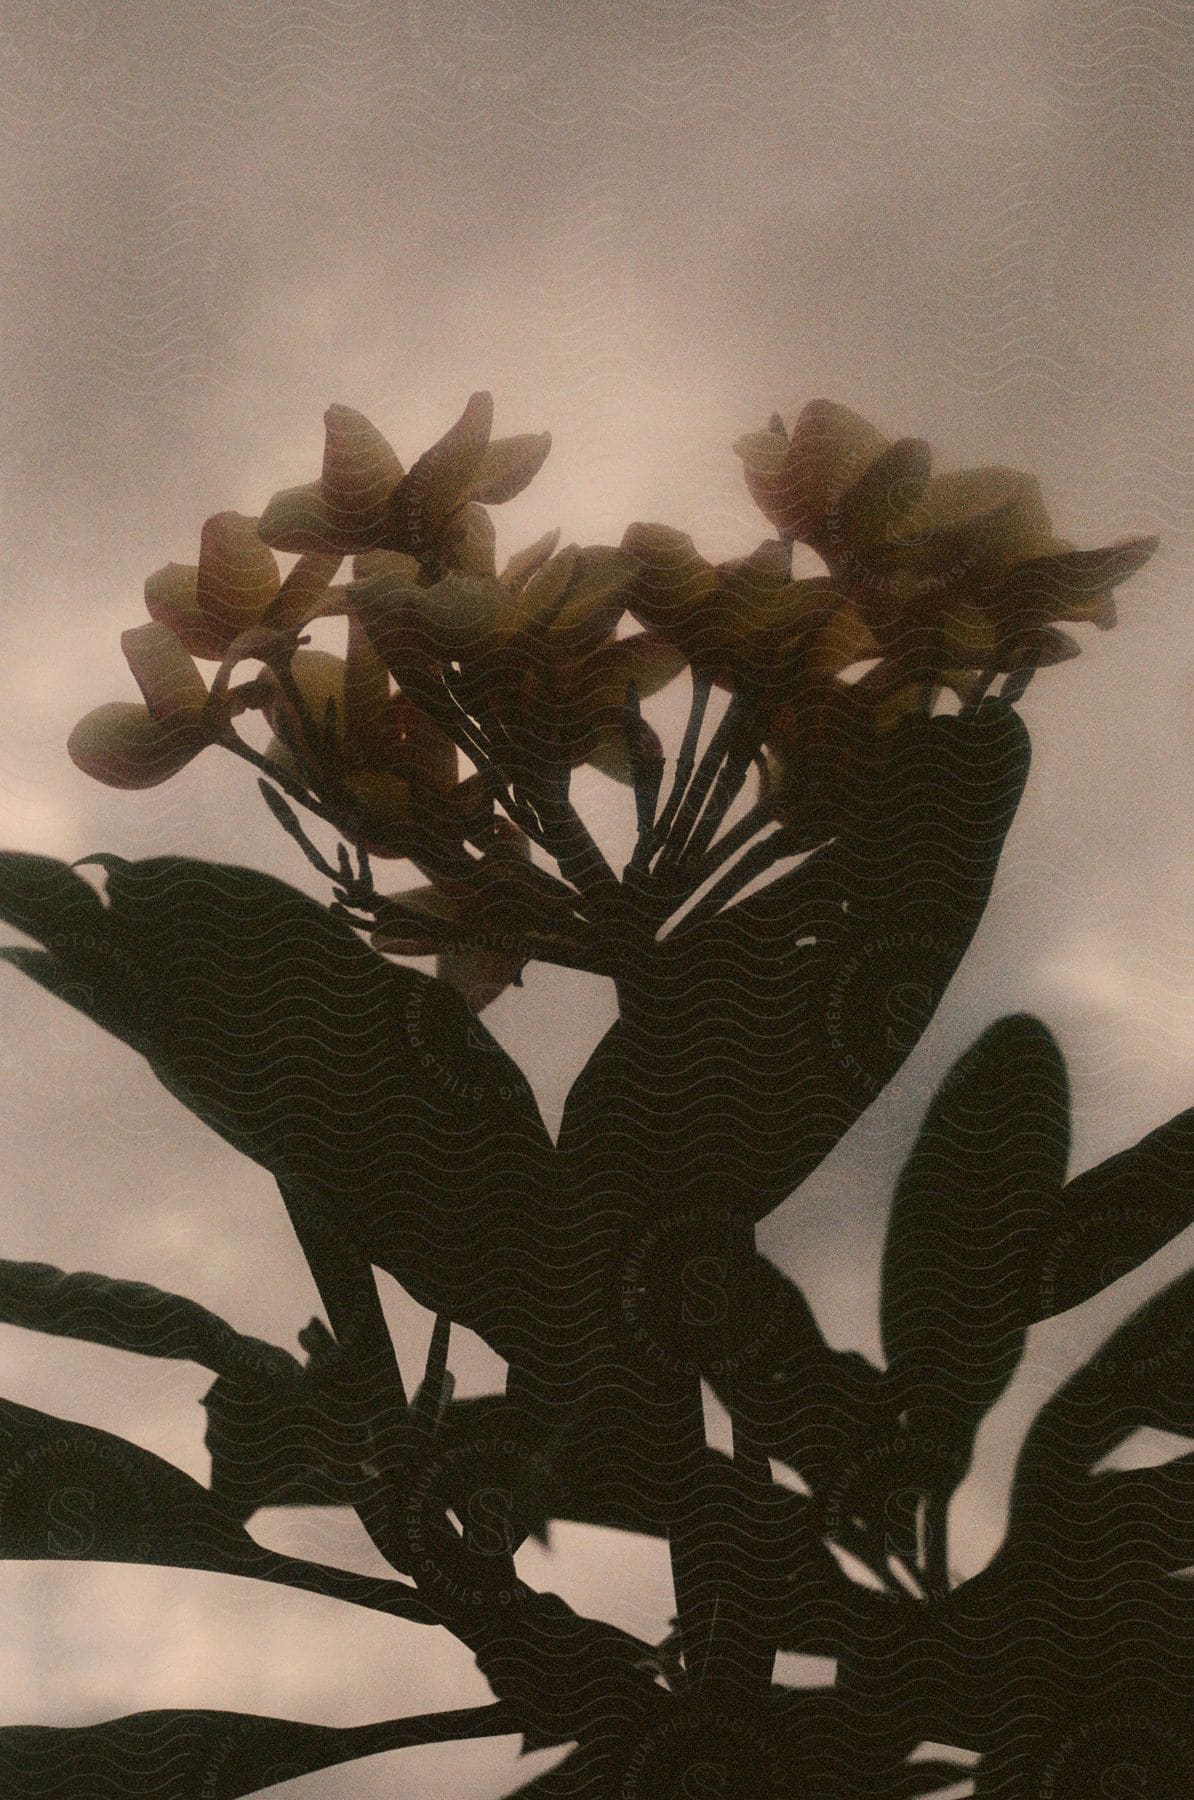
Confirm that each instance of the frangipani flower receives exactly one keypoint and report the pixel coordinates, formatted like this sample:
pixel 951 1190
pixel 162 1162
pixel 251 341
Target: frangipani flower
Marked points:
pixel 235 586
pixel 129 746
pixel 744 620
pixel 537 645
pixel 230 605
pixel 398 768
pixel 800 483
pixel 434 512
pixel 952 572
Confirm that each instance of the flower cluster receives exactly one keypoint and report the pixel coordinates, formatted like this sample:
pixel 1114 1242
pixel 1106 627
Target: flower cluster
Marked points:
pixel 934 581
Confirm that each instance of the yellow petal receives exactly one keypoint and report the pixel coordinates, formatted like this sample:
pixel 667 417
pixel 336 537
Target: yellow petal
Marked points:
pixel 261 643
pixel 306 593
pixel 122 746
pixel 872 510
pixel 392 610
pixel 462 614
pixel 968 634
pixel 439 482
pixel 831 448
pixel 470 542
pixel 674 590
pixel 281 757
pixel 360 471
pixel 170 599
pixel 595 597
pixel 299 519
pixel 844 640
pixel 508 465
pixel 762 451
pixel 1003 505
pixel 648 660
pixel 1076 585
pixel 172 687
pixel 524 563
pixel 238 576
pixel 543 594
pixel 385 562
pixel 762 454
pixel 319 677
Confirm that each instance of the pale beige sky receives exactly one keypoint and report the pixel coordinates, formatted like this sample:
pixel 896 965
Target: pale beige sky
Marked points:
pixel 644 226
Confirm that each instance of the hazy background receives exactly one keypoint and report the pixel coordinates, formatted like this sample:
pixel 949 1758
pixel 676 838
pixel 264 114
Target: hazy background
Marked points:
pixel 645 226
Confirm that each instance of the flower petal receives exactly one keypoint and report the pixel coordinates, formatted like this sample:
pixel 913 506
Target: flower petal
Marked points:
pixel 525 563
pixel 762 454
pixel 298 519
pixel 675 590
pixel 306 593
pixel 462 614
pixel 874 507
pixel 471 541
pixel 172 687
pixel 508 465
pixel 1076 585
pixel 122 746
pixel 385 562
pixel 170 599
pixel 830 449
pixel 438 482
pixel 595 598
pixel 238 577
pixel 360 471
pixel 319 676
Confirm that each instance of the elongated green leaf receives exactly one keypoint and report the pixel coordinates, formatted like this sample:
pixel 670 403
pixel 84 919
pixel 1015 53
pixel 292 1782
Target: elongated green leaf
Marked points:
pixel 401 1134
pixel 176 1755
pixel 1113 1217
pixel 71 1492
pixel 130 1315
pixel 988 1161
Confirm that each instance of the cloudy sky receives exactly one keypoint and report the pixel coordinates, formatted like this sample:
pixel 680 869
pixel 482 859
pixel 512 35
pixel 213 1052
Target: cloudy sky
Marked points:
pixel 645 226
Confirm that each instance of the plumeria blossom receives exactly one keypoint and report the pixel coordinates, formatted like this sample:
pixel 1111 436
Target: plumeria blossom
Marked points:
pixel 434 512
pixel 958 576
pixel 536 647
pixel 745 620
pixel 231 604
pixel 340 731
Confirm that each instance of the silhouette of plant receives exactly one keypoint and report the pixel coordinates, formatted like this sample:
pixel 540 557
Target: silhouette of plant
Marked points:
pixel 803 886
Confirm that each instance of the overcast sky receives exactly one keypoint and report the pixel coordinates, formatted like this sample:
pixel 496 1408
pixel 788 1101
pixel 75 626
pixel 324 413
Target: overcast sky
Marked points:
pixel 645 226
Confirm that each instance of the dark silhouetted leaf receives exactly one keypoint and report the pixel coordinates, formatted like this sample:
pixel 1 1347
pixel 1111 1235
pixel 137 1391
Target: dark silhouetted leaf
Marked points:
pixel 175 1755
pixel 1142 1375
pixel 748 1044
pixel 131 1315
pixel 399 1131
pixel 1111 1218
pixel 71 1492
pixel 988 1161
